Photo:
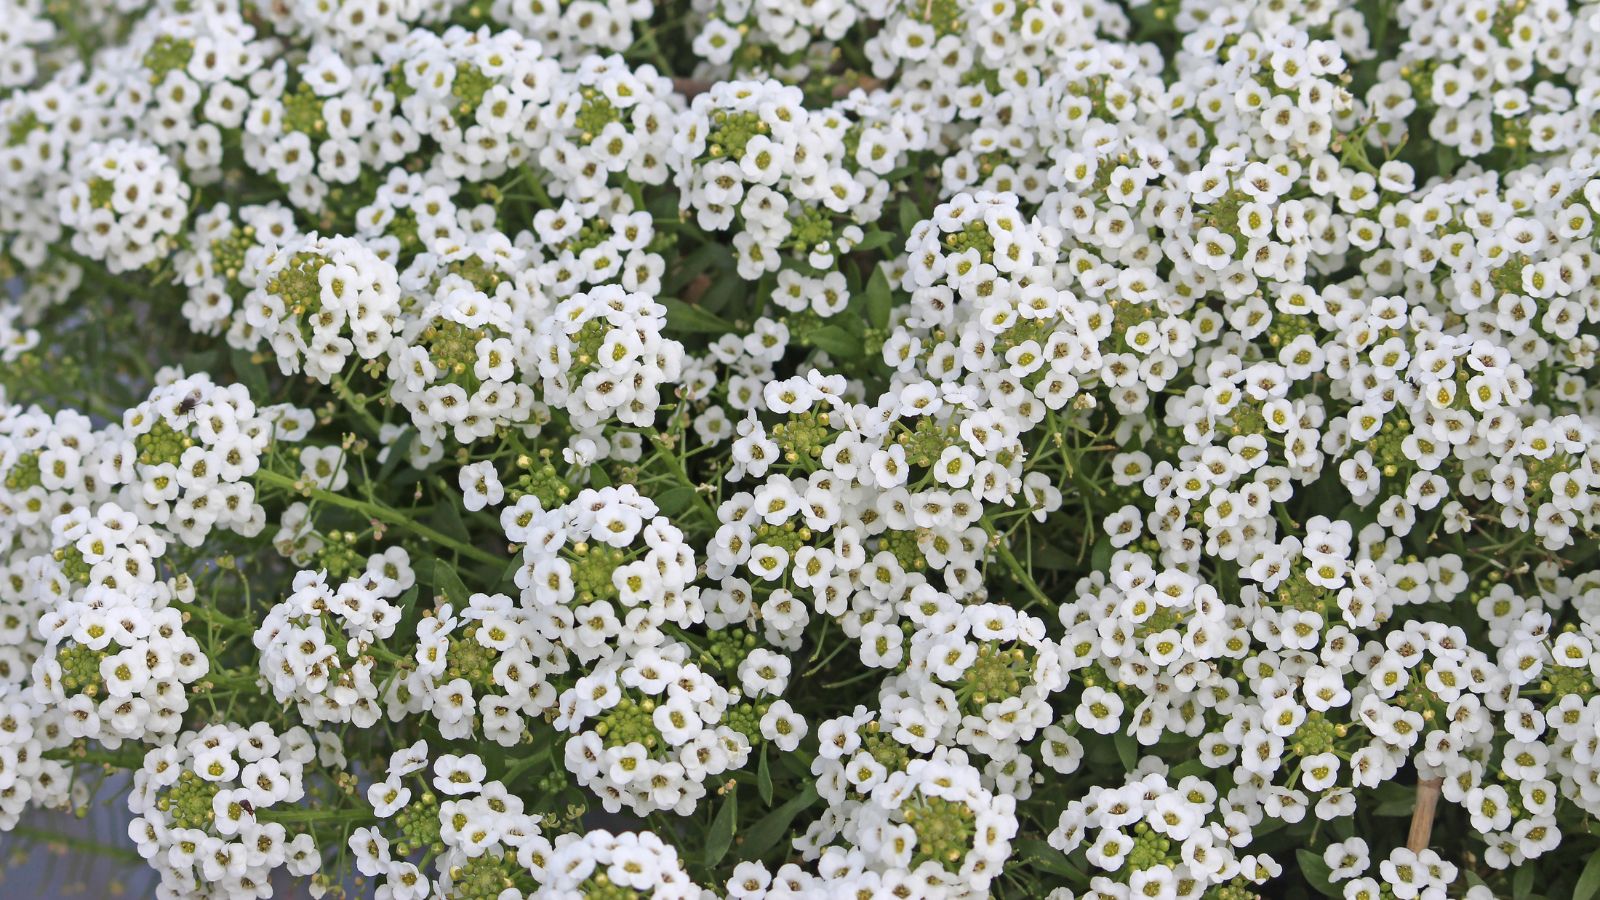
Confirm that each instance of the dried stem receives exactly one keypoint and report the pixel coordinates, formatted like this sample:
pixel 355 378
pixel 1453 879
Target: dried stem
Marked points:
pixel 1422 817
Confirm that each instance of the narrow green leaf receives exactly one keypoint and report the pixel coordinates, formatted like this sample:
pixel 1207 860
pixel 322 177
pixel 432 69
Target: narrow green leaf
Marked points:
pixel 704 261
pixel 1588 882
pixel 449 583
pixel 1316 872
pixel 874 240
pixel 398 451
pixel 508 578
pixel 252 376
pixel 880 300
pixel 764 778
pixel 446 519
pixel 909 215
pixel 720 838
pixel 1127 750
pixel 684 317
pixel 1037 853
pixel 724 291
pixel 771 828
pixel 834 341
pixel 1522 884
pixel 674 501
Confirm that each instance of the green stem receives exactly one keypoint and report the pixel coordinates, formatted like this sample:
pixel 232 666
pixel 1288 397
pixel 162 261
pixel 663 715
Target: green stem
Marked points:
pixel 1020 573
pixel 115 759
pixel 79 844
pixel 228 623
pixel 666 449
pixel 356 404
pixel 378 511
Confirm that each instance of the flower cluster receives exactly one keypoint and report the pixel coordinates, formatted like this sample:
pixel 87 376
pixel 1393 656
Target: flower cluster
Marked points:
pixel 930 448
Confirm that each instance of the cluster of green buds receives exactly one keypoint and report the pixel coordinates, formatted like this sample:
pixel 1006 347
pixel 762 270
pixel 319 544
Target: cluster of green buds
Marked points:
pixel 80 668
pixel 1317 734
pixel 997 673
pixel 303 111
pixel 802 436
pixel 745 718
pixel 723 651
pixel 946 16
pixel 338 555
pixel 1151 848
pixel 25 472
pixel 18 129
pixel 167 54
pixel 731 133
pixel 600 887
pixel 944 830
pixel 489 876
pixel 162 444
pixel 592 568
pixel 905 547
pixel 587 344
pixel 468 658
pixel 540 479
pixel 419 825
pixel 595 112
pixel 630 722
pixel 189 801
pixel 298 287
pixel 975 236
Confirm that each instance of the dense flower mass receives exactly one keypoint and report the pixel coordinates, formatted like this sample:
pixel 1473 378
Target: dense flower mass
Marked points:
pixel 769 449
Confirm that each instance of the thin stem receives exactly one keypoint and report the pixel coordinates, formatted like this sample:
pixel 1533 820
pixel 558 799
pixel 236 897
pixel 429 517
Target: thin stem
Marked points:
pixel 70 842
pixel 666 449
pixel 1020 573
pixel 380 512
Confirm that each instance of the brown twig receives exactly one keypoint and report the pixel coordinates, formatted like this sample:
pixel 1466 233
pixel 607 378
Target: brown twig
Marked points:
pixel 690 87
pixel 696 288
pixel 1422 817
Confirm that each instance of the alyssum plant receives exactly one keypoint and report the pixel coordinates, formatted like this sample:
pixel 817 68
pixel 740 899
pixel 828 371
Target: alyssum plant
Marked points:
pixel 758 449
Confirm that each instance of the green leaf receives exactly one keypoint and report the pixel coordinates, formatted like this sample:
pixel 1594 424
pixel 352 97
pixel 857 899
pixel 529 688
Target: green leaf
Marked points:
pixel 683 317
pixel 1522 884
pixel 1037 853
pixel 252 376
pixel 1589 881
pixel 880 300
pixel 764 778
pixel 508 578
pixel 874 240
pixel 720 838
pixel 1317 872
pixel 446 519
pixel 674 501
pixel 398 451
pixel 834 341
pixel 1395 800
pixel 724 291
pixel 1100 556
pixel 771 828
pixel 909 215
pixel 703 261
pixel 449 583
pixel 1127 750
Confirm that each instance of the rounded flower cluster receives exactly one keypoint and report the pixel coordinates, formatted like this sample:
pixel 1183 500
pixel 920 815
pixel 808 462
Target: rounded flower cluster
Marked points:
pixel 318 301
pixel 127 205
pixel 651 729
pixel 604 572
pixel 203 808
pixel 312 644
